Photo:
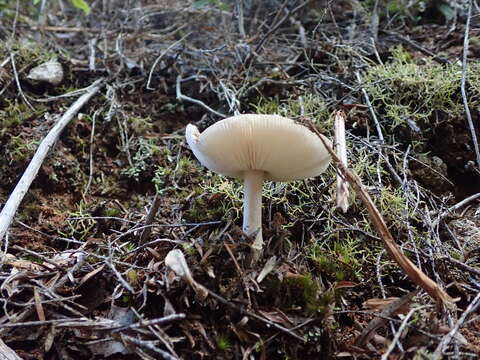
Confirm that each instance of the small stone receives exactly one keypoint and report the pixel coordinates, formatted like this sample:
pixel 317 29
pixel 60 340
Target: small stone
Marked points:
pixel 50 71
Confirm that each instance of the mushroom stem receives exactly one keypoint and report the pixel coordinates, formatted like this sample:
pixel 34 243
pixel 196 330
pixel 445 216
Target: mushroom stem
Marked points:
pixel 252 209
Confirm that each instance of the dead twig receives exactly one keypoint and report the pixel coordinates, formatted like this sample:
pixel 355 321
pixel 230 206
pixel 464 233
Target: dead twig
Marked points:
pixel 149 346
pixel 255 316
pixel 374 22
pixel 145 323
pixel 241 23
pixel 380 320
pixel 370 108
pixel 41 257
pixel 175 260
pixel 92 142
pixel 416 46
pixel 438 354
pixel 6 353
pixel 72 322
pixel 11 206
pixel 399 332
pixel 464 202
pixel 17 81
pixel 149 219
pixel 463 266
pixel 182 97
pixel 161 57
pixel 455 207
pixel 463 82
pixel 273 29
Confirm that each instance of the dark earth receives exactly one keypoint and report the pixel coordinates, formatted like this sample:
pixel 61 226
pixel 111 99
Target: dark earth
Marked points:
pixel 82 271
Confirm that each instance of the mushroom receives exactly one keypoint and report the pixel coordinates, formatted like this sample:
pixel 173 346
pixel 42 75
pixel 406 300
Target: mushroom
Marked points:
pixel 256 148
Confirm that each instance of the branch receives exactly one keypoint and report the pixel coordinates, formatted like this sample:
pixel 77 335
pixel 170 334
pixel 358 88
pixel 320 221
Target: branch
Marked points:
pixel 462 86
pixel 472 307
pixel 11 206
pixel 182 97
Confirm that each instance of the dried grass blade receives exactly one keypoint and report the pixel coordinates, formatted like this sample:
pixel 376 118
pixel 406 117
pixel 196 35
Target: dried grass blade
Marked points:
pixel 38 304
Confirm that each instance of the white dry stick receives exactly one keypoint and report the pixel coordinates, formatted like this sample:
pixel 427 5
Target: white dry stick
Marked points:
pixel 343 191
pixel 182 97
pixel 474 305
pixel 7 353
pixel 11 206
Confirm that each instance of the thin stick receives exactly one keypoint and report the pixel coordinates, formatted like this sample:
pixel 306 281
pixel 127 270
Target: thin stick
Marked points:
pixel 149 219
pixel 374 22
pixel 463 266
pixel 456 207
pixel 462 86
pixel 464 202
pixel 370 108
pixel 273 29
pixel 90 172
pixel 17 81
pixel 148 345
pixel 11 206
pixel 175 260
pixel 7 353
pixel 241 24
pixel 159 321
pixel 380 318
pixel 161 57
pixel 254 315
pixel 448 338
pixel 399 332
pixel 416 46
pixel 182 97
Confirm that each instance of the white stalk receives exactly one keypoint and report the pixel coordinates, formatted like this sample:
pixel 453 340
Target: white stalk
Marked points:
pixel 252 209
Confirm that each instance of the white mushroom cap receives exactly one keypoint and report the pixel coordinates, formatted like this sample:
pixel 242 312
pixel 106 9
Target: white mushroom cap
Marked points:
pixel 282 148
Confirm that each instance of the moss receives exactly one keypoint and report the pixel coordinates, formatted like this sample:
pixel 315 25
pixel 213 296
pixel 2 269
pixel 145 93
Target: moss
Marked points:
pixel 409 93
pixel 132 277
pixel 310 106
pixel 20 149
pixel 210 208
pixel 297 291
pixel 223 343
pixel 143 154
pixel 161 178
pixel 140 125
pixel 215 198
pixel 79 224
pixel 111 212
pixel 399 12
pixel 342 259
pixel 14 113
pixel 27 53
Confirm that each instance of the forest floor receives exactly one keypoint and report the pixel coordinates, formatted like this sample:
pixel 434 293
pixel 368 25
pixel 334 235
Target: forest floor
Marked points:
pixel 82 271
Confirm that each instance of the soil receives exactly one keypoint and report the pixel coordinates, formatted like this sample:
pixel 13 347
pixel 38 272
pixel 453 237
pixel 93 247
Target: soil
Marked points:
pixel 80 276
